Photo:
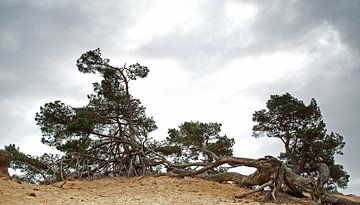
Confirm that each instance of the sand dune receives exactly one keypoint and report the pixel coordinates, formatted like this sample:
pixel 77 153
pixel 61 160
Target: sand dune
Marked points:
pixel 146 190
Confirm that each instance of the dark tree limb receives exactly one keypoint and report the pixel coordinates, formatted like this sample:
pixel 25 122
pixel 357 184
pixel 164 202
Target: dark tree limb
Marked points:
pixel 270 172
pixel 235 177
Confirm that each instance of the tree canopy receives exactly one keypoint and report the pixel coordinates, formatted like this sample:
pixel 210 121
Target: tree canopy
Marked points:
pixel 107 135
pixel 183 144
pixel 303 132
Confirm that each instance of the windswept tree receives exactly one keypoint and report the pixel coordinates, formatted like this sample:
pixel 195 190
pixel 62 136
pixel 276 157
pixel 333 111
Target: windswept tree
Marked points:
pixel 106 136
pixel 302 130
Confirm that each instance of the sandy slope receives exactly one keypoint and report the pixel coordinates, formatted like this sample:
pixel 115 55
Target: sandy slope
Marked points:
pixel 147 190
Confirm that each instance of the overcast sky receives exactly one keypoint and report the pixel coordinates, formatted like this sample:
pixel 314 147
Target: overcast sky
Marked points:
pixel 209 61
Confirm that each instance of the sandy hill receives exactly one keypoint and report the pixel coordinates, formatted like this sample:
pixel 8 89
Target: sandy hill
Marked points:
pixel 146 190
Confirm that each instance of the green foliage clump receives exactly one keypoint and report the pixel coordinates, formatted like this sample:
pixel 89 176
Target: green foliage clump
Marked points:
pixel 188 142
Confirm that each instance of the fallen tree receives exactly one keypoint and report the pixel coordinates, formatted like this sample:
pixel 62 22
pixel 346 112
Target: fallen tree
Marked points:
pixel 270 173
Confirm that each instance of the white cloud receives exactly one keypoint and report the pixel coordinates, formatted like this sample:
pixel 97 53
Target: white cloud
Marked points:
pixel 160 17
pixel 244 72
pixel 173 94
pixel 239 15
pixel 166 93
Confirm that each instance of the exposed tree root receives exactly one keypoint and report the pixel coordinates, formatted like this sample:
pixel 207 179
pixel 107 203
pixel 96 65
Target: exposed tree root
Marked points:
pixel 270 173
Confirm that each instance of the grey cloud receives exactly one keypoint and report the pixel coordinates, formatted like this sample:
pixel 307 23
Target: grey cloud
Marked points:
pixel 285 23
pixel 39 44
pixel 204 47
pixel 35 36
pixel 279 26
pixel 287 26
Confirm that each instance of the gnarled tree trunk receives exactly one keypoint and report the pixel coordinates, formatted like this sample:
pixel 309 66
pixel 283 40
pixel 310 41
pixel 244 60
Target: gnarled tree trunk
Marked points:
pixel 270 172
pixel 4 164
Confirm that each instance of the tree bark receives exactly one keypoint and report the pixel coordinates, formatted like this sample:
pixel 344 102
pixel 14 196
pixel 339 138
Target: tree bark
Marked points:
pixel 4 164
pixel 225 177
